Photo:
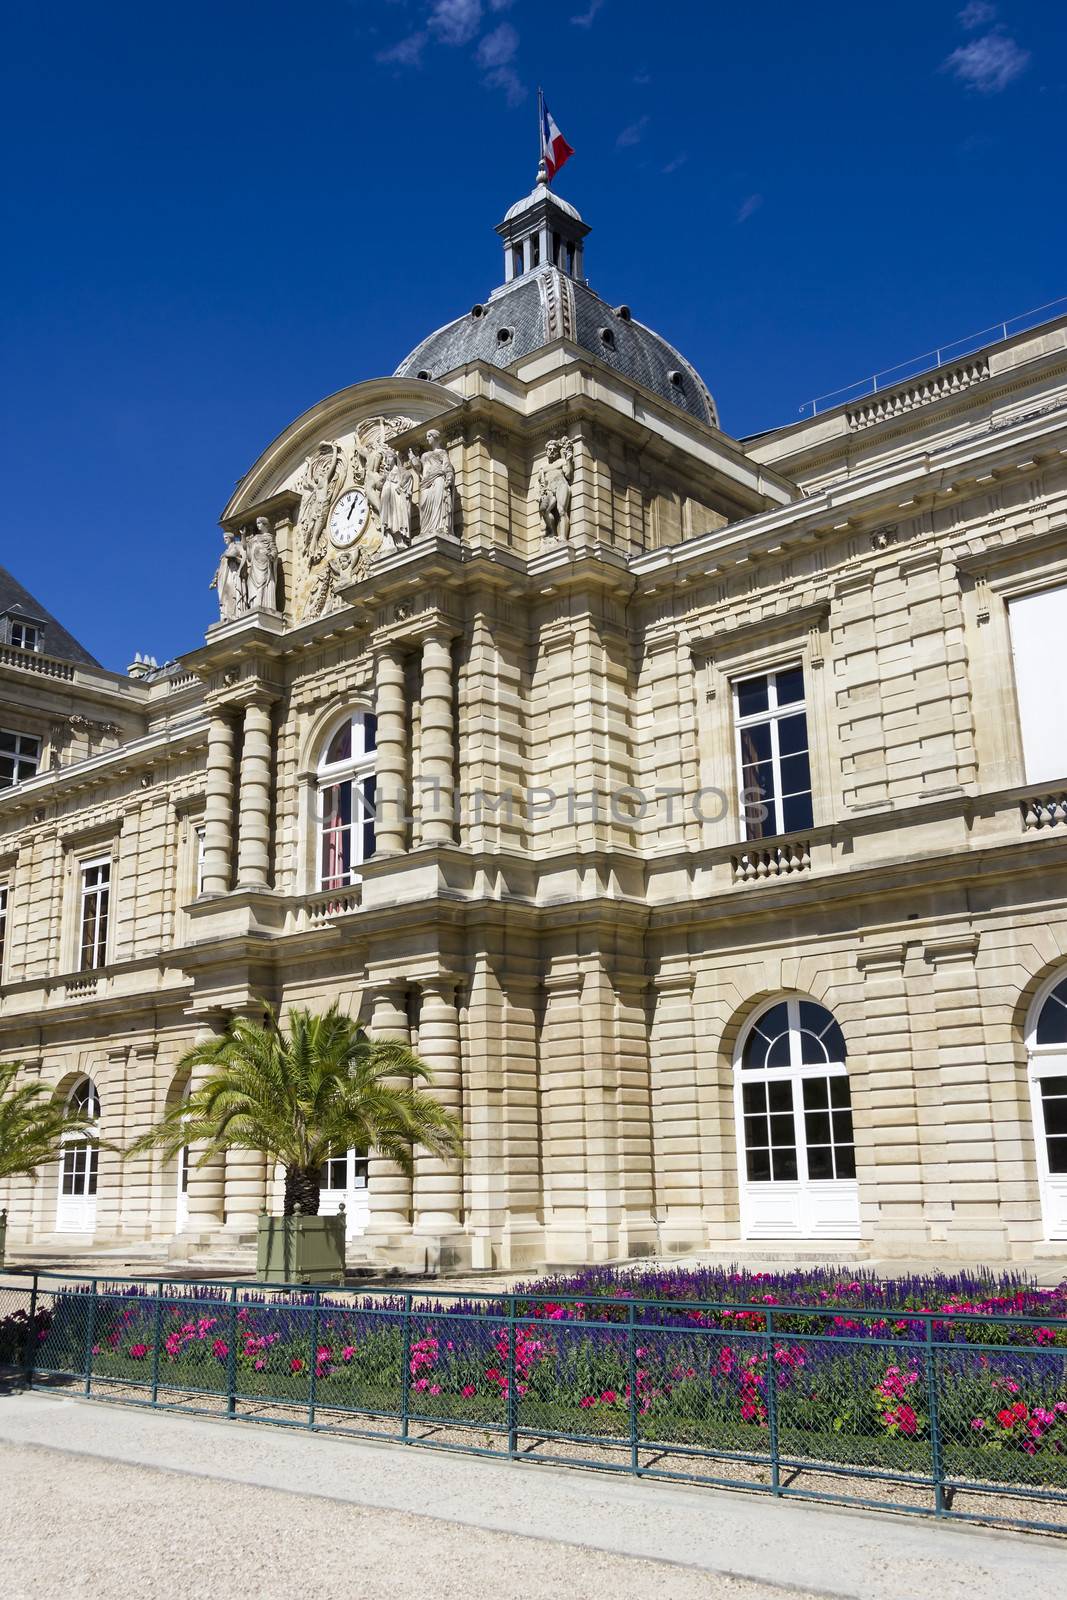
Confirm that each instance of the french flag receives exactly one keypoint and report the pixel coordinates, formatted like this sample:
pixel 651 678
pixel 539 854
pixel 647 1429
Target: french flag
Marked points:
pixel 554 147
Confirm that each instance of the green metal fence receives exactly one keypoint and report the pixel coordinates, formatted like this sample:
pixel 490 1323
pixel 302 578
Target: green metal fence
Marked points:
pixel 961 1414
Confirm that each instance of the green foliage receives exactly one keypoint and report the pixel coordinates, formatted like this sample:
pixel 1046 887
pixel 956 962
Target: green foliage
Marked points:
pixel 33 1124
pixel 302 1095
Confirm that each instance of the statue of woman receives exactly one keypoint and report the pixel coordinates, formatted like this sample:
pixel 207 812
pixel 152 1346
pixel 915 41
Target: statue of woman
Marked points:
pixel 229 579
pixel 437 488
pixel 262 568
pixel 395 505
pixel 554 488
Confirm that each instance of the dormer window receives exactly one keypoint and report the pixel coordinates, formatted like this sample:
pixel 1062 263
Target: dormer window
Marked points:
pixel 26 636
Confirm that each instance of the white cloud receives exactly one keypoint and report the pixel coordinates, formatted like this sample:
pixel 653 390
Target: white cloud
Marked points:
pixel 988 64
pixel 455 21
pixel 749 207
pixel 406 52
pixel 975 14
pixel 633 134
pixel 678 161
pixel 496 54
pixel 586 18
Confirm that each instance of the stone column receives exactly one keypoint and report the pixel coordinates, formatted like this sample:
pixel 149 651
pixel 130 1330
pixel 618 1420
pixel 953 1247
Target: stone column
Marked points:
pixel 253 818
pixel 218 808
pixel 437 770
pixel 390 1188
pixel 204 1200
pixel 391 764
pixel 439 1183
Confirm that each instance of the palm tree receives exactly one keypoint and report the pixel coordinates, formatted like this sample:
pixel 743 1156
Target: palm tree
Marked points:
pixel 33 1124
pixel 303 1096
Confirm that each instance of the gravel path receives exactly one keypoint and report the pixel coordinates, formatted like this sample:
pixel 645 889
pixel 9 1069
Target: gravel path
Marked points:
pixel 74 1525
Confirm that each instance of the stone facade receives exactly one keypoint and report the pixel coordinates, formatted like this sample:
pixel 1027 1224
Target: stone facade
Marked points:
pixel 564 908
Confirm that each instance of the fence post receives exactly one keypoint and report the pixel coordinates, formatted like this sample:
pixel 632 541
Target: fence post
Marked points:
pixel 158 1334
pixel 937 1455
pixel 513 1393
pixel 90 1332
pixel 631 1365
pixel 231 1357
pixel 31 1337
pixel 771 1379
pixel 313 1365
pixel 405 1375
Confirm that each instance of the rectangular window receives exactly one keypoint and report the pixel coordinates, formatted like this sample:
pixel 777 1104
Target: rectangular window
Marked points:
pixel 1038 626
pixel 95 905
pixel 772 752
pixel 347 829
pixel 24 636
pixel 3 926
pixel 20 755
pixel 201 846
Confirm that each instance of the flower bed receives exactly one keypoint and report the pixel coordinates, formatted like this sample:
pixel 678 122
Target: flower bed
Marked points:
pixel 851 1372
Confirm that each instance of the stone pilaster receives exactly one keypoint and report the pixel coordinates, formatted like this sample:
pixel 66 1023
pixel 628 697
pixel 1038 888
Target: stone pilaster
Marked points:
pixel 206 1194
pixel 438 1189
pixel 253 832
pixel 390 1188
pixel 218 807
pixel 437 749
pixel 391 765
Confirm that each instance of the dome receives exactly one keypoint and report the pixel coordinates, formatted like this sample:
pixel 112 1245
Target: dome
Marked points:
pixel 545 304
pixel 545 297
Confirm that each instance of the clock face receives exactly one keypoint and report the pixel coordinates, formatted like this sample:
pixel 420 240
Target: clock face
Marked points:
pixel 349 518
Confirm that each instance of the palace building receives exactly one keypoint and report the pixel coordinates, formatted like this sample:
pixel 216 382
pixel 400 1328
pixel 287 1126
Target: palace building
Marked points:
pixel 696 806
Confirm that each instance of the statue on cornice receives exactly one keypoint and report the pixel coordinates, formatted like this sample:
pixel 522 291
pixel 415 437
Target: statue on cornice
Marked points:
pixel 230 579
pixel 319 485
pixel 554 488
pixel 261 567
pixel 437 488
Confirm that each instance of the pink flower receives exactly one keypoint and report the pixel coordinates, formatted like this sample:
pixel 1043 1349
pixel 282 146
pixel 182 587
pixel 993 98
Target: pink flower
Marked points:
pixel 590 1400
pixel 260 1364
pixel 977 1423
pixel 138 1351
pixel 435 1388
pixel 220 1349
pixel 296 1365
pixel 609 1397
pixel 348 1352
pixel 421 1383
pixel 467 1390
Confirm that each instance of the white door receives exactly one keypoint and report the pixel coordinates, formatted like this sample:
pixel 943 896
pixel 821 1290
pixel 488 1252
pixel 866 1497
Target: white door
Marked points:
pixel 797 1160
pixel 344 1182
pixel 79 1164
pixel 181 1200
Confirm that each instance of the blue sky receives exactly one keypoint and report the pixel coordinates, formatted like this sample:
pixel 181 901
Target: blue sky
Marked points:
pixel 216 214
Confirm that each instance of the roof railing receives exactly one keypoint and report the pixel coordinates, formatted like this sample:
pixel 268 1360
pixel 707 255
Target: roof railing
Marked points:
pixel 930 360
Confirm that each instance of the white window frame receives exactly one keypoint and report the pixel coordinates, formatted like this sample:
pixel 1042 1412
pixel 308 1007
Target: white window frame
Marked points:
pixel 772 715
pixel 5 895
pixel 200 859
pixel 1046 1061
pixel 1038 699
pixel 34 629
pixel 360 770
pixel 76 1208
pixel 18 755
pixel 98 892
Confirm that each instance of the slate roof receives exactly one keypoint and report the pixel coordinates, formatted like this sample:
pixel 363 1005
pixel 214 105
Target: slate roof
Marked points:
pixel 543 305
pixel 57 641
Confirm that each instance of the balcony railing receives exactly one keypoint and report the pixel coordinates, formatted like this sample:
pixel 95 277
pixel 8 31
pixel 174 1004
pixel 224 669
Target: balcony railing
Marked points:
pixel 777 861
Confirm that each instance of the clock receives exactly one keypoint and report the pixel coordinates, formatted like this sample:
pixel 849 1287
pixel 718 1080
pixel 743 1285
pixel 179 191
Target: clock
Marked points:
pixel 349 518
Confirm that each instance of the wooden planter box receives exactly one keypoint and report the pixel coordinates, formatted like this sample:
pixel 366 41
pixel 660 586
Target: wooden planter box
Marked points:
pixel 301 1250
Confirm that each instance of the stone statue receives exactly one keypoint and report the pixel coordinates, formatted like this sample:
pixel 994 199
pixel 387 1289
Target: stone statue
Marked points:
pixel 437 487
pixel 319 484
pixel 230 578
pixel 394 509
pixel 345 567
pixel 554 488
pixel 261 567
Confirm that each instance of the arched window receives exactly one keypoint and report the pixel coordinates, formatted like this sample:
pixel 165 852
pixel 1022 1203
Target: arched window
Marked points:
pixel 79 1166
pixel 346 789
pixel 1047 1049
pixel 794 1124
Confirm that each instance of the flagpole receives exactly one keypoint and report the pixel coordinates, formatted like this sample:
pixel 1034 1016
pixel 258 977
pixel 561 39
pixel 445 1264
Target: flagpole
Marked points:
pixel 542 170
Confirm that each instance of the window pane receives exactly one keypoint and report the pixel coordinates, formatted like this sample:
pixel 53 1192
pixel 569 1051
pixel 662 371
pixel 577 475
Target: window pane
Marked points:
pixel 340 745
pixel 370 793
pixel 1055 1115
pixel 842 1127
pixel 1057 1155
pixel 846 1162
pixel 839 1092
pixel 817 1127
pixel 816 1094
pixel 755 1133
pixel 1050 1086
pixel 756 744
pixel 758 1166
pixel 785 1166
pixel 780 1095
pixel 1052 1023
pixel 796 813
pixel 754 1096
pixel 782 1134
pixel 820 1162
pixel 751 696
pixel 370 732
pixel 790 685
pixel 812 1050
pixel 796 775
pixel 792 734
